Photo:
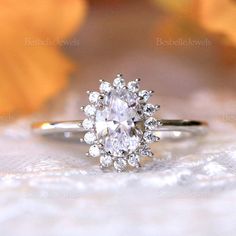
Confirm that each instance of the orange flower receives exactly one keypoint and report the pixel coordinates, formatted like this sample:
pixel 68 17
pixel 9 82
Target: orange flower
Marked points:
pixel 180 6
pixel 219 16
pixel 199 19
pixel 32 68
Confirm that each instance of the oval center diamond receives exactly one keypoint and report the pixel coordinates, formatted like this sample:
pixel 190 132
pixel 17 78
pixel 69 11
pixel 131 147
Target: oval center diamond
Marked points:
pixel 119 125
pixel 116 123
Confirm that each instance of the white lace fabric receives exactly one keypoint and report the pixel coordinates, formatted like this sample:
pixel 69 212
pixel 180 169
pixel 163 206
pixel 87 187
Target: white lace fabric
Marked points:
pixel 50 188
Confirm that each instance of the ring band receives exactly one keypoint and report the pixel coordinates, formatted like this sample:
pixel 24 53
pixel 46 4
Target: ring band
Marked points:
pixel 167 130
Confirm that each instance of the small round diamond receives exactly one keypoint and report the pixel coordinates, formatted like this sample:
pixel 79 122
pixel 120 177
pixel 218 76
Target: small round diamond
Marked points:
pixel 146 151
pixel 133 86
pixel 106 160
pixel 94 97
pixel 88 124
pixel 89 138
pixel 151 123
pixel 133 160
pixel 120 164
pixel 119 82
pixel 150 137
pixel 105 87
pixel 144 95
pixel 90 110
pixel 94 151
pixel 149 109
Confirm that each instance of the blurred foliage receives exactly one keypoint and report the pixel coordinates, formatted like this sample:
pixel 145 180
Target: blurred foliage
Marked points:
pixel 219 16
pixel 106 2
pixel 32 68
pixel 199 19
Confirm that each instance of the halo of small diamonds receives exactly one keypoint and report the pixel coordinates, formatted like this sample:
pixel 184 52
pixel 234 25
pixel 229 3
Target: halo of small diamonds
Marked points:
pixel 114 115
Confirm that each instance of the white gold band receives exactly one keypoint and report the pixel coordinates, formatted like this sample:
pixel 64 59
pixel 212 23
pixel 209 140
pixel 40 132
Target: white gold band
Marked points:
pixel 168 129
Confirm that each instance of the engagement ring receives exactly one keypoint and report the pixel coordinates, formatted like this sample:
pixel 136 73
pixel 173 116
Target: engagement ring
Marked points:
pixel 120 125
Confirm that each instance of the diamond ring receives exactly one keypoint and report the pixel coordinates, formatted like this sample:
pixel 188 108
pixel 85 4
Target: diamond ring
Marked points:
pixel 120 125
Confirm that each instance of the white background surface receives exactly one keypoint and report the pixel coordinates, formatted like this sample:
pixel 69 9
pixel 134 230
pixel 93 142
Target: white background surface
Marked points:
pixel 51 188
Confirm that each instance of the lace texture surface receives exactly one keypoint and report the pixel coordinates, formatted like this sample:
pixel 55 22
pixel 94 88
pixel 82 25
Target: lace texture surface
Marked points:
pixel 49 187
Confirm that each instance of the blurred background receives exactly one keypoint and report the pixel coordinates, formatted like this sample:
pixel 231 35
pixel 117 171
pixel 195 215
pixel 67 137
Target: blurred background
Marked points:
pixel 53 51
pixel 184 50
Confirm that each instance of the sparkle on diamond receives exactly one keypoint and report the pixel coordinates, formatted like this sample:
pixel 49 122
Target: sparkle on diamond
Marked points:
pixel 115 124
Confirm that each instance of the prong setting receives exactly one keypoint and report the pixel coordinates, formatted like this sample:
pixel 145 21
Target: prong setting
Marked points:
pixel 105 87
pixel 107 112
pixel 133 86
pixel 119 82
pixel 94 97
pixel 144 95
pixel 89 110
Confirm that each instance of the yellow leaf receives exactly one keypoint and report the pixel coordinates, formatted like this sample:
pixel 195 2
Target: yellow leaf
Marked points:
pixel 32 68
pixel 219 16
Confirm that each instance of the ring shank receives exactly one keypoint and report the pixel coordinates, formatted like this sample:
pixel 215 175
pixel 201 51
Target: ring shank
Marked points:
pixel 181 129
pixel 168 130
